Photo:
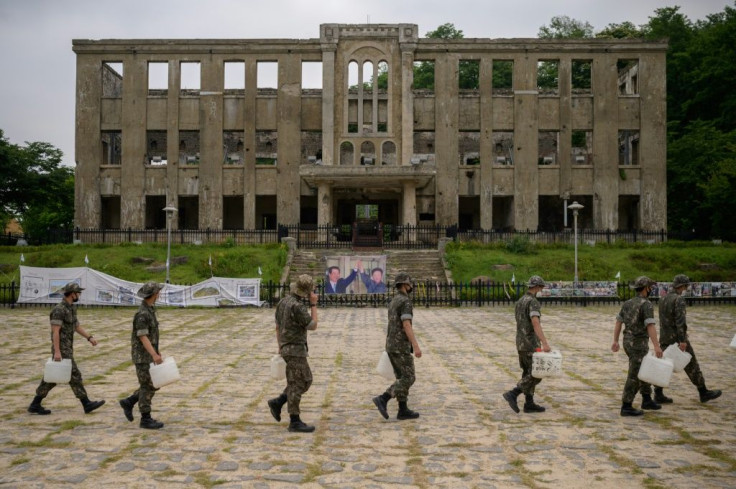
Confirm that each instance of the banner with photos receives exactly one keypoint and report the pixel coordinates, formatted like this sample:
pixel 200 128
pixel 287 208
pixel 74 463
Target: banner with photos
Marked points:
pixel 362 274
pixel 610 289
pixel 41 286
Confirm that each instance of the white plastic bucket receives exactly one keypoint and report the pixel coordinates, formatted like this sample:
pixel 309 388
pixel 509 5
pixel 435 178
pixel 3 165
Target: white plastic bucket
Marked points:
pixel 384 367
pixel 546 364
pixel 733 342
pixel 278 368
pixel 164 373
pixel 58 372
pixel 679 358
pixel 656 371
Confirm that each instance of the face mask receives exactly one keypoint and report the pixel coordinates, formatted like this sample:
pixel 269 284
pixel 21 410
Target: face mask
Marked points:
pixel 76 298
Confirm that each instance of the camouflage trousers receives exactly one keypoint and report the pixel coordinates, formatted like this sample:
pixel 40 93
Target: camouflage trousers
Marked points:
pixel 403 364
pixel 298 381
pixel 693 368
pixel 633 384
pixel 527 384
pixel 146 390
pixel 75 383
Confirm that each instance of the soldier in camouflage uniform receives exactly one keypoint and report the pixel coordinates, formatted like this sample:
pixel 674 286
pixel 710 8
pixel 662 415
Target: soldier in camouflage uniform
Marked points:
pixel 529 338
pixel 673 329
pixel 400 344
pixel 64 324
pixel 637 314
pixel 144 343
pixel 293 320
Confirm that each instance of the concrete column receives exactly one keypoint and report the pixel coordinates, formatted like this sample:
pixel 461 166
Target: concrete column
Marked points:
pixel 249 142
pixel 328 104
pixel 210 144
pixel 526 141
pixel 87 147
pixel 653 129
pixel 324 204
pixel 132 172
pixel 446 134
pixel 409 204
pixel 407 102
pixel 486 143
pixel 289 106
pixel 172 139
pixel 564 147
pixel 605 142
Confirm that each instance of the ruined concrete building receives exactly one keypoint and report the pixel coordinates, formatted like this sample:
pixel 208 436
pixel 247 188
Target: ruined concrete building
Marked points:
pixel 497 134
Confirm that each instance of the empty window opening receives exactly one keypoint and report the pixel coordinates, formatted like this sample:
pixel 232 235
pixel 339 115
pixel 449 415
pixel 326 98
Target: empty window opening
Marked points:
pixel 189 147
pixel 112 79
pixel 156 148
pixel 383 80
pixel 232 146
pixel 188 211
pixel 582 147
pixel 503 148
pixel 424 75
pixel 547 148
pixel 581 76
pixel 112 144
pixel 388 153
pixel 155 215
pixel 266 213
pixel 628 147
pixel 382 86
pixel 367 154
pixel 548 77
pixel 628 212
pixel 346 153
pixel 267 74
pixel 308 211
pixel 266 148
pixel 469 148
pixel 468 217
pixel 191 76
pixel 503 77
pixel 551 217
pixel 424 148
pixel 628 76
pixel 368 77
pixel 235 75
pixel 312 147
pixel 233 212
pixel 110 212
pixel 469 74
pixel 503 213
pixel 158 77
pixel 311 75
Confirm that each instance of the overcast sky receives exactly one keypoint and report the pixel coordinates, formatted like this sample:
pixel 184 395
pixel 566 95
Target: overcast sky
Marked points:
pixel 37 74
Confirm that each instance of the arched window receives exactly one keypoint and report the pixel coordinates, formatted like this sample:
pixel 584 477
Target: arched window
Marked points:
pixel 346 153
pixel 367 153
pixel 388 153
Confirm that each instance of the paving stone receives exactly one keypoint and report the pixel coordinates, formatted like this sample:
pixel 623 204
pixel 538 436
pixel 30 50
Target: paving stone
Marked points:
pixel 293 478
pixel 227 466
pixel 156 467
pixel 405 480
pixel 365 467
pixel 260 466
pixel 124 467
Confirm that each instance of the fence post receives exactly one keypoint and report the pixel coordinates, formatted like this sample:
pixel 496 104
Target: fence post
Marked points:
pixel 12 294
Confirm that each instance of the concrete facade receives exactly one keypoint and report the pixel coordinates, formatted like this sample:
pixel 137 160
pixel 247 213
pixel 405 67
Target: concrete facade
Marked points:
pixel 484 157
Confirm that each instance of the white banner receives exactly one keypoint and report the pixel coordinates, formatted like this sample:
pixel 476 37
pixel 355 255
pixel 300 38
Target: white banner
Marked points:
pixel 40 285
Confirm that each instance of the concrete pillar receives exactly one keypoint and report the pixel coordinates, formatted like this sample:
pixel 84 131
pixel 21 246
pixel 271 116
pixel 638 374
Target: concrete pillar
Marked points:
pixel 249 142
pixel 132 171
pixel 605 142
pixel 564 146
pixel 172 139
pixel 446 134
pixel 324 204
pixel 409 203
pixel 653 146
pixel 407 102
pixel 289 107
pixel 526 141
pixel 87 145
pixel 210 144
pixel 486 143
pixel 328 104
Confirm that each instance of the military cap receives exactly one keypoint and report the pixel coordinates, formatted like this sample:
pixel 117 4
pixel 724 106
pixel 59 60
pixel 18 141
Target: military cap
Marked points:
pixel 680 280
pixel 642 282
pixel 71 287
pixel 402 278
pixel 304 285
pixel 536 281
pixel 148 289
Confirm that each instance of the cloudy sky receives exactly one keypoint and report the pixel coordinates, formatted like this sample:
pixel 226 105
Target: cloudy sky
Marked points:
pixel 37 79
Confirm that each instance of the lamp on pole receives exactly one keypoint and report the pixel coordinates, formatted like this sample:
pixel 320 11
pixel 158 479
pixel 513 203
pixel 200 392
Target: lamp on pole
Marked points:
pixel 575 207
pixel 169 210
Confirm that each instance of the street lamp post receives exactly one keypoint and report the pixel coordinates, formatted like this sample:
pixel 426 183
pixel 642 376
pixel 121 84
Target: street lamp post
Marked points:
pixel 169 210
pixel 575 207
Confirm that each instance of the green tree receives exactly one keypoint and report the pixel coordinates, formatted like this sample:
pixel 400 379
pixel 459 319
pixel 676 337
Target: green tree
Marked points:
pixel 720 203
pixel 424 71
pixel 563 27
pixel 623 30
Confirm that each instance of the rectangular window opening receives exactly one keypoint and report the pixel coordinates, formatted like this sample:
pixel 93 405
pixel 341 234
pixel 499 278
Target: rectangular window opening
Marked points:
pixel 110 212
pixel 188 211
pixel 233 212
pixel 155 215
pixel 547 148
pixel 503 148
pixel 582 147
pixel 311 75
pixel 628 147
pixel 267 75
pixel 424 75
pixel 581 76
pixel 503 77
pixel 158 77
pixel 189 147
pixel 469 148
pixel 235 76
pixel 469 74
pixel 156 144
pixel 548 77
pixel 628 76
pixel 312 147
pixel 112 144
pixel 233 149
pixel 267 148
pixel 191 76
pixel 112 79
pixel 424 148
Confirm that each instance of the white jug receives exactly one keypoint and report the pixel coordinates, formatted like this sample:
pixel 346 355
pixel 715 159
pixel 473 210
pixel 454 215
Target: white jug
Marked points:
pixel 679 358
pixel 58 372
pixel 164 373
pixel 656 371
pixel 384 367
pixel 546 364
pixel 278 368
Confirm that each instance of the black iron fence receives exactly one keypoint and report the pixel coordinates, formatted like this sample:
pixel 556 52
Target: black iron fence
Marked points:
pixel 425 294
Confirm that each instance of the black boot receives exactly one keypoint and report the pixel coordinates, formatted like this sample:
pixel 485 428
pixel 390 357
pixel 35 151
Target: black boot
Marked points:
pixel 660 397
pixel 149 423
pixel 90 406
pixel 275 405
pixel 127 404
pixel 705 394
pixel 381 403
pixel 405 412
pixel 530 407
pixel 648 403
pixel 36 407
pixel 628 410
pixel 299 426
pixel 511 396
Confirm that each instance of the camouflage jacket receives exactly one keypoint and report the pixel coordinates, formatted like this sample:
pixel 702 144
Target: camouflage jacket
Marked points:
pixel 65 315
pixel 399 309
pixel 672 319
pixel 293 320
pixel 144 324
pixel 526 308
pixel 636 313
